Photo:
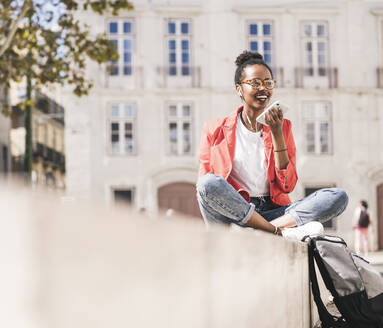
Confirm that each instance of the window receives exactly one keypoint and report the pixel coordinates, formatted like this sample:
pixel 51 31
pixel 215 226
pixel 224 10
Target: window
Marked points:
pixel 45 138
pixel 124 196
pixel 54 141
pixel 122 129
pixel 4 151
pixel 328 224
pixel 318 128
pixel 180 129
pixel 178 39
pixel 260 39
pixel 315 48
pixel 121 34
pixel 34 131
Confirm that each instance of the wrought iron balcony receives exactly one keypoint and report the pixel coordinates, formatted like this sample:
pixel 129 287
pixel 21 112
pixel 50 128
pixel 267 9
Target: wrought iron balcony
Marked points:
pixel 49 106
pixel 49 156
pixel 318 78
pixel 39 150
pixel 125 77
pixel 179 77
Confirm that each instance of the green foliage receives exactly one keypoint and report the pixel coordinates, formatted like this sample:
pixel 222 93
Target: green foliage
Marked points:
pixel 5 110
pixel 59 54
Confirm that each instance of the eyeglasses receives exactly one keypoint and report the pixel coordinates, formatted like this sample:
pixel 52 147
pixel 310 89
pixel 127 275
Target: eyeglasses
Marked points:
pixel 256 83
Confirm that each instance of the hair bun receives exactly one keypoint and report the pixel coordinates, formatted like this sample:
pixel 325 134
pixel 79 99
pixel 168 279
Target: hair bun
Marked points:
pixel 246 56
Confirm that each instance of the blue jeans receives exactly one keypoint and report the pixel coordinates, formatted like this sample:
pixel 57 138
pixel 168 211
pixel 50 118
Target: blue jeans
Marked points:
pixel 219 202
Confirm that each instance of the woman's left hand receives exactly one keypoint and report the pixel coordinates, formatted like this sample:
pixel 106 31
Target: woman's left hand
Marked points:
pixel 274 118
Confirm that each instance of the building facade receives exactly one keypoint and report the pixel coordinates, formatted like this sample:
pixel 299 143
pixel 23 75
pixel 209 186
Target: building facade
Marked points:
pixel 5 128
pixel 48 166
pixel 136 136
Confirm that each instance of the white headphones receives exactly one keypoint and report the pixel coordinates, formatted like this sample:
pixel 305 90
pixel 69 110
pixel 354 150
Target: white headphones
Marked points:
pixel 240 94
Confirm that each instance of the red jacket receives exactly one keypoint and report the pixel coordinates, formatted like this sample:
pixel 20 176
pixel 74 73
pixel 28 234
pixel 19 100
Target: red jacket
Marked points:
pixel 217 152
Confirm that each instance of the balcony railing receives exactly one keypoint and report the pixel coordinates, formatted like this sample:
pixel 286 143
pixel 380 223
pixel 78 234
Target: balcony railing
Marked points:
pixel 128 78
pixel 39 150
pixel 379 76
pixel 179 77
pixel 318 78
pixel 49 156
pixel 49 106
pixel 58 159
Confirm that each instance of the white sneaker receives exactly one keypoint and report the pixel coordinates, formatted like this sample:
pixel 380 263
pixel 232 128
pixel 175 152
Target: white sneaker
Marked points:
pixel 308 229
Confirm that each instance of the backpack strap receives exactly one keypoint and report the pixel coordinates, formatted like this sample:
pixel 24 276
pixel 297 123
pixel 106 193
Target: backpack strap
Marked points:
pixel 327 319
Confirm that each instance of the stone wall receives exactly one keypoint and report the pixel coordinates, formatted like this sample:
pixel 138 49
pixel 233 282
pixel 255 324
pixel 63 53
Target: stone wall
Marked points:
pixel 79 265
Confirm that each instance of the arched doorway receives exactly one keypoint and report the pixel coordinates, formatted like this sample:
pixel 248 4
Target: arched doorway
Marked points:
pixel 380 215
pixel 179 196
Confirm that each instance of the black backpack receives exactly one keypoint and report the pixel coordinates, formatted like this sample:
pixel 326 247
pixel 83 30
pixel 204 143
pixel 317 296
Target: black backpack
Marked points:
pixel 356 286
pixel 364 219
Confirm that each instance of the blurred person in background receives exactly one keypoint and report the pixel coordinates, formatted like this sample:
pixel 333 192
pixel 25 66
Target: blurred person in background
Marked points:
pixel 247 170
pixel 361 223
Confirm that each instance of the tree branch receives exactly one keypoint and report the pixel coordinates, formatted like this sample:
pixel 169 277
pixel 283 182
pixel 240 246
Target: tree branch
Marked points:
pixel 12 30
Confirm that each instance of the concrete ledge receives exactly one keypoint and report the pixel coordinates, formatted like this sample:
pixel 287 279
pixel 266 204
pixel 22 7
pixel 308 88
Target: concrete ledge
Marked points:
pixel 79 265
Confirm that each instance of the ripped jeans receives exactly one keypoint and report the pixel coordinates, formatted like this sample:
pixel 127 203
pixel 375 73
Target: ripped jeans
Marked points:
pixel 219 202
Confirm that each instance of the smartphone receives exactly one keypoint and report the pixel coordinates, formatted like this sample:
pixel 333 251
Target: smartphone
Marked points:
pixel 275 104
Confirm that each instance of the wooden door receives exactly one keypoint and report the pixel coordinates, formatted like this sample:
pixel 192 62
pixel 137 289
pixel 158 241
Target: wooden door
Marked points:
pixel 380 215
pixel 179 196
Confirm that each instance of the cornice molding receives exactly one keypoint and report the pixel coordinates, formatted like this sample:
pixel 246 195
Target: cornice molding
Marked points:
pixel 286 10
pixel 178 10
pixel 258 10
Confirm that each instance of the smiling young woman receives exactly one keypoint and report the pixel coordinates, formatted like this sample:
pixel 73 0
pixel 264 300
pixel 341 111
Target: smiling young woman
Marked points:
pixel 246 170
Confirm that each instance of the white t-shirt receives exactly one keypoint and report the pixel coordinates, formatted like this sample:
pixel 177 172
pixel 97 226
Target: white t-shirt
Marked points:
pixel 249 165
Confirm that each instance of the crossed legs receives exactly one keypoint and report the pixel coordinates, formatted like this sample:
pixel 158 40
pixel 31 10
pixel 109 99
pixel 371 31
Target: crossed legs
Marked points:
pixel 221 203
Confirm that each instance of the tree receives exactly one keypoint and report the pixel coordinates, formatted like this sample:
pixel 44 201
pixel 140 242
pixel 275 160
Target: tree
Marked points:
pixel 43 42
pixel 17 17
